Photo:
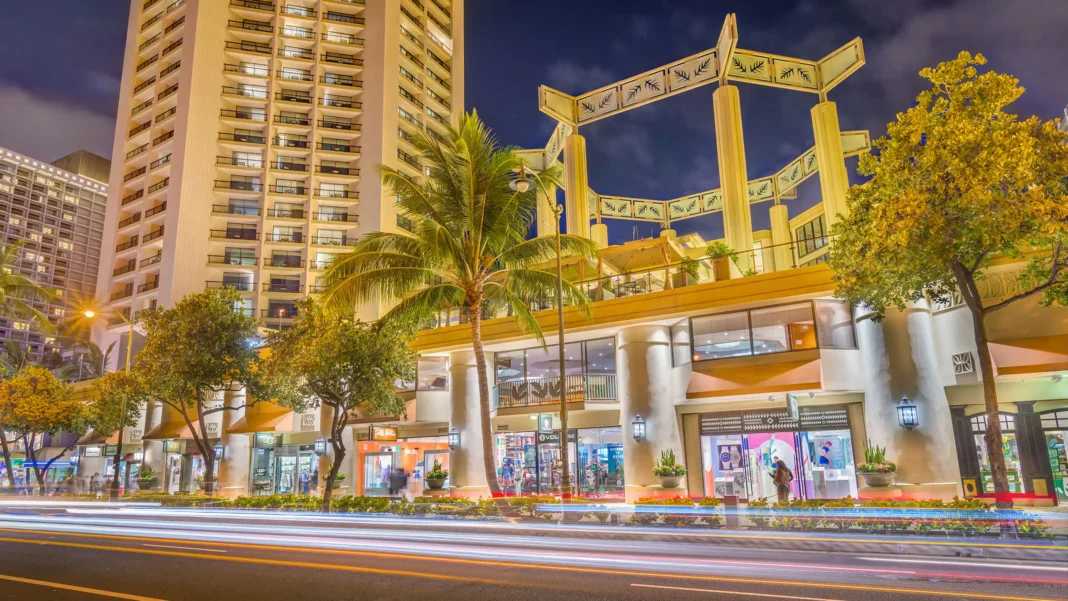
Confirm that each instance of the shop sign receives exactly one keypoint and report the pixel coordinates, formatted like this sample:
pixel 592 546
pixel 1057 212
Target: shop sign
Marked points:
pixel 268 440
pixel 134 434
pixel 554 437
pixel 807 418
pixel 545 422
pixel 172 446
pixel 92 452
pixel 791 405
pixel 384 433
pixel 110 450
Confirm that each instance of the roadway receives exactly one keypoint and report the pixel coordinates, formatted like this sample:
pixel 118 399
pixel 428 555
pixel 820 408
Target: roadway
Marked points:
pixel 150 554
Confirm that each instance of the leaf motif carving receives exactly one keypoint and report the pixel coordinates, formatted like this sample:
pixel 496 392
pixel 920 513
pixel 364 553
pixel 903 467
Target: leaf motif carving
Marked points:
pixel 804 75
pixel 586 106
pixel 633 92
pixel 681 74
pixel 757 67
pixel 702 67
pixel 738 64
pixel 652 85
pixel 691 206
pixel 786 73
pixel 605 101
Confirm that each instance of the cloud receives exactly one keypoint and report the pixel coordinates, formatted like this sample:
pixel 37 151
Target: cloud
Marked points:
pixel 47 129
pixel 573 78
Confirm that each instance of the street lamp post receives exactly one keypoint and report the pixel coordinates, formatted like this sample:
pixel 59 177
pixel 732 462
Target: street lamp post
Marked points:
pixel 565 479
pixel 114 495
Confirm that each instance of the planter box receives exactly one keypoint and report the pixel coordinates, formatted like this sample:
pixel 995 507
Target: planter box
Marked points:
pixel 670 482
pixel 435 483
pixel 877 479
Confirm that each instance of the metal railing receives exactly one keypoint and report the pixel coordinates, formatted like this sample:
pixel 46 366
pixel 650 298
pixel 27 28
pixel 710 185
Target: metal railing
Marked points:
pixel 245 138
pixel 156 210
pixel 232 259
pixel 333 124
pixel 236 285
pixel 252 211
pixel 284 262
pixel 546 391
pixel 246 115
pixel 253 4
pixel 235 234
pixel 287 287
pixel 222 184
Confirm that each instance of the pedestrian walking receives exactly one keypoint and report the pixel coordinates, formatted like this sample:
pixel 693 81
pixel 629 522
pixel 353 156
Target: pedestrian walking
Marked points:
pixel 782 479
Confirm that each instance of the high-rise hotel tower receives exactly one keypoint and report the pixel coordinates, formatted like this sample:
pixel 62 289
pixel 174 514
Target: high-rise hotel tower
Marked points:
pixel 247 140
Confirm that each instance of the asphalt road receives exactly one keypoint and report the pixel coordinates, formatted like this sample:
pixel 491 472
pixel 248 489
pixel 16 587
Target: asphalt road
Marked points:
pixel 171 555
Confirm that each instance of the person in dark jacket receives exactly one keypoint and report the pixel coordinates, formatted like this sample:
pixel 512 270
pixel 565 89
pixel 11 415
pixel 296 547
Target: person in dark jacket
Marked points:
pixel 782 479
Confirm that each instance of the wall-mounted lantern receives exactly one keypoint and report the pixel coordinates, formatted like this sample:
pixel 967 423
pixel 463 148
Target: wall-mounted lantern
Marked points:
pixel 638 428
pixel 454 439
pixel 908 415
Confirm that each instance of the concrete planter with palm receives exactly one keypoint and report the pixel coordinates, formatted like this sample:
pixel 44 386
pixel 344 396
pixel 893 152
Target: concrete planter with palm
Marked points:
pixel 468 248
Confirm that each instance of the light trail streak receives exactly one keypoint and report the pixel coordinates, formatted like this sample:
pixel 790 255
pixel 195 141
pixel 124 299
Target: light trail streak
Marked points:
pixel 453 546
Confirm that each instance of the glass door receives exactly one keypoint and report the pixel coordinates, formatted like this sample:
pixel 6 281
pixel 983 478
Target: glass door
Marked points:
pixel 262 481
pixel 174 473
pixel 550 467
pixel 723 459
pixel 286 475
pixel 763 450
pixel 1058 461
pixel 376 470
pixel 828 465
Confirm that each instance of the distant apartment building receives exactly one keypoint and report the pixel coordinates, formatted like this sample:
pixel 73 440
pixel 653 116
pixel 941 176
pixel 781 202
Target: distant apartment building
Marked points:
pixel 57 215
pixel 248 135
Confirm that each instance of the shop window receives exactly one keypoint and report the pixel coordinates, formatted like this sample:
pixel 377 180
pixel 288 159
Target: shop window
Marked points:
pixel 1009 446
pixel 510 366
pixel 721 336
pixel 779 329
pixel 1055 428
pixel 433 373
pixel 680 343
pixel 601 356
pixel 834 324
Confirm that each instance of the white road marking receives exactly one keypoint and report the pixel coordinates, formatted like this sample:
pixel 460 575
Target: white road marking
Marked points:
pixel 714 591
pixel 78 589
pixel 976 564
pixel 185 548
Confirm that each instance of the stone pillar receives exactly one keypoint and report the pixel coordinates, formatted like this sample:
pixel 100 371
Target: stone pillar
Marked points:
pixel 834 181
pixel 466 466
pixel 782 253
pixel 643 355
pixel 546 217
pixel 733 179
pixel 901 358
pixel 599 235
pixel 234 464
pixel 577 188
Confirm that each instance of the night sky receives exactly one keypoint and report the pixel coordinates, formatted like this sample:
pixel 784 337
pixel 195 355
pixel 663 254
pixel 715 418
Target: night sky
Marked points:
pixel 59 77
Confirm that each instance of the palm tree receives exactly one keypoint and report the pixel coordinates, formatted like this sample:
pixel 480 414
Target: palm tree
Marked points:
pixel 91 362
pixel 16 292
pixel 468 248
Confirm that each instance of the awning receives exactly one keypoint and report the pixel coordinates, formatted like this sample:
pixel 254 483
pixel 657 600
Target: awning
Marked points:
pixel 92 437
pixel 261 417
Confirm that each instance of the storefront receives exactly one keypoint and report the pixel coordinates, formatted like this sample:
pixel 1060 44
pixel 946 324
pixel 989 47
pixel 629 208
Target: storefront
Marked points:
pixel 1034 447
pixel 184 467
pixel 282 469
pixel 530 463
pixel 1055 432
pixel 740 449
pixel 385 453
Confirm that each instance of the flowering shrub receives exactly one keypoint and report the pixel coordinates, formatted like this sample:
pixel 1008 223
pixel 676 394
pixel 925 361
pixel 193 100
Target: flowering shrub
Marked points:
pixel 667 466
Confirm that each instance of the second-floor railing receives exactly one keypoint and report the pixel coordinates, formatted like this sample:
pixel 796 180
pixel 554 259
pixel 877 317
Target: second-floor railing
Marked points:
pixel 546 391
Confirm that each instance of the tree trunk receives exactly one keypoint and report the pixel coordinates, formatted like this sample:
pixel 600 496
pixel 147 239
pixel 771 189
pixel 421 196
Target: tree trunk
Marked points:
pixel 207 450
pixel 994 448
pixel 475 312
pixel 7 457
pixel 32 455
pixel 338 422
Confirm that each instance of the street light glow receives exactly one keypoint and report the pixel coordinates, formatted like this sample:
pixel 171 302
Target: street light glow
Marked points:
pixel 90 314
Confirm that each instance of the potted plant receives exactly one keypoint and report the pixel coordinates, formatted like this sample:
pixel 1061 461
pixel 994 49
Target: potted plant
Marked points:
pixel 435 478
pixel 337 480
pixel 147 479
pixel 199 481
pixel 668 470
pixel 689 273
pixel 876 470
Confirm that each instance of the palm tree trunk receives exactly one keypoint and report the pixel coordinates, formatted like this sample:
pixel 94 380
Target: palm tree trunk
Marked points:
pixel 7 457
pixel 475 312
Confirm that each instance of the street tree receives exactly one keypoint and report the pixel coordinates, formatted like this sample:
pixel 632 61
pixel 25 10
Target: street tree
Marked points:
pixel 89 361
pixel 35 404
pixel 957 184
pixel 332 359
pixel 193 354
pixel 467 249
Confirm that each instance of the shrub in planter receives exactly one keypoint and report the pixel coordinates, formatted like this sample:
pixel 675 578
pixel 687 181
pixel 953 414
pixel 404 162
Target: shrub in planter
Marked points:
pixel 668 470
pixel 436 477
pixel 876 470
pixel 677 519
pixel 712 521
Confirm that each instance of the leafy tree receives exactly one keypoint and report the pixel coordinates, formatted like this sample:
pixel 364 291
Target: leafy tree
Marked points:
pixel 958 182
pixel 335 360
pixel 13 360
pixel 468 248
pixel 35 403
pixel 114 391
pixel 193 353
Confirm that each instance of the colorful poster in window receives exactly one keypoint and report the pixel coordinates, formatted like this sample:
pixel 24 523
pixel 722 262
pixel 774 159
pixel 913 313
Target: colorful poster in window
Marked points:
pixel 829 452
pixel 730 457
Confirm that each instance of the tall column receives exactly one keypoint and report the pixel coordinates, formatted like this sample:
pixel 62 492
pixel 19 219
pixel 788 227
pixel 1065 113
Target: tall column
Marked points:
pixel 577 187
pixel 546 218
pixel 834 181
pixel 782 254
pixel 234 464
pixel 733 178
pixel 901 358
pixel 643 355
pixel 466 464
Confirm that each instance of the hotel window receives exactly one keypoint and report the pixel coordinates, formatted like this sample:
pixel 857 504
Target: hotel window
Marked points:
pixel 21 326
pixel 811 237
pixel 758 257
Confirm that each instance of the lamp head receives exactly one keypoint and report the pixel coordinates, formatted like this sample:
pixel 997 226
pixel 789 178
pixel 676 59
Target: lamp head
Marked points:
pixel 90 314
